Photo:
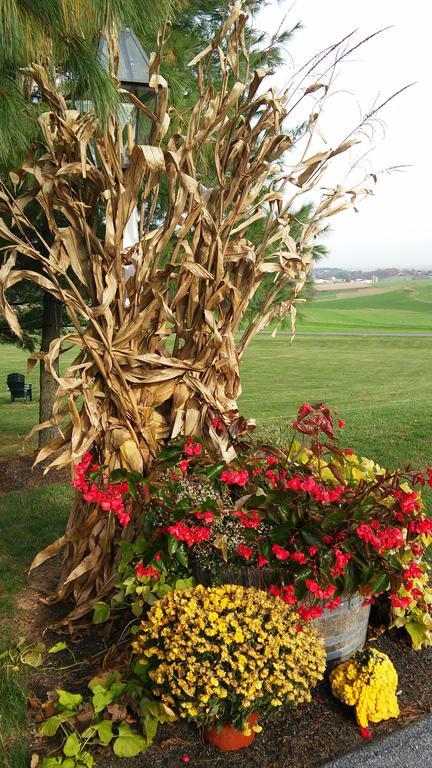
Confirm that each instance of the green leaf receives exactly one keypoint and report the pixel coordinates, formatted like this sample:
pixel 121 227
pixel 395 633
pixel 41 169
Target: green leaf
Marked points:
pixel 89 732
pixel 350 579
pixel 150 726
pixel 334 519
pixel 117 689
pixel 68 700
pixel 130 584
pixel 101 698
pixel 150 598
pixel 50 727
pixel 170 453
pixel 173 544
pixel 58 647
pixel 311 538
pixel 140 670
pixel 379 583
pixel 101 613
pixel 185 583
pixel 117 475
pixel 104 681
pixel 128 744
pixel 419 634
pixel 34 656
pixel 72 745
pixel 162 591
pixel 280 533
pixel 87 759
pixel 214 470
pixel 52 762
pixel 161 712
pixel 182 557
pixel 105 732
pixel 137 608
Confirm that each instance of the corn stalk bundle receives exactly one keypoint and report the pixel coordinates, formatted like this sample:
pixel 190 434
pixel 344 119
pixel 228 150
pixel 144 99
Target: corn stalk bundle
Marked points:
pixel 159 326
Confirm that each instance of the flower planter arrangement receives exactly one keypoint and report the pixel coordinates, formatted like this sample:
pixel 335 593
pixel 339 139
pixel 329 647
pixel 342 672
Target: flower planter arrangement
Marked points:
pixel 312 523
pixel 247 576
pixel 227 657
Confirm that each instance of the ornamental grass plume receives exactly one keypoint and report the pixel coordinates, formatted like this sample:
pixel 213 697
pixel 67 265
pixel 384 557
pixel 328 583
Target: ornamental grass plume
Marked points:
pixel 221 653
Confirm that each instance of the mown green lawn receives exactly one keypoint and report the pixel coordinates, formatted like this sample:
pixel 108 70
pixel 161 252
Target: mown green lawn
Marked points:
pixel 380 386
pixel 17 419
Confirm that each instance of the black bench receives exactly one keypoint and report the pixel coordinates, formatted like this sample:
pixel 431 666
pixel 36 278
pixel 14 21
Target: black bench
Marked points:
pixel 17 387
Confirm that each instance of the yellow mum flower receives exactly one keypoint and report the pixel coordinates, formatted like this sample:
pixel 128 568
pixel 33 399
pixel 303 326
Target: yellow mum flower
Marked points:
pixel 256 660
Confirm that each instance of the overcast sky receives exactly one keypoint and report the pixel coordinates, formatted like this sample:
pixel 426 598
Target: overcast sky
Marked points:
pixel 393 228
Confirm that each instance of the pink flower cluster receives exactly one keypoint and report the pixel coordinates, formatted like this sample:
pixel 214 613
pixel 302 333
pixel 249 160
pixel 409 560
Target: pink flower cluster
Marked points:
pixel 421 526
pixel 109 498
pixel 283 554
pixel 400 602
pixel 319 592
pixel 146 572
pixel 244 551
pixel 317 490
pixel 189 534
pixel 382 540
pixel 206 517
pixel 248 520
pixel 286 593
pixel 341 561
pixel 409 503
pixel 308 613
pixel 235 477
pixel 192 448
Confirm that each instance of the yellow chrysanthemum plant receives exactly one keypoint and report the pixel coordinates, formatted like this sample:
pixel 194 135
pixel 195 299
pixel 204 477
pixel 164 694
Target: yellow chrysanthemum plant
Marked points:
pixel 219 654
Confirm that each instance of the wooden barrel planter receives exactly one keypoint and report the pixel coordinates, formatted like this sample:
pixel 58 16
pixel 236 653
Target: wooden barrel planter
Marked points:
pixel 343 630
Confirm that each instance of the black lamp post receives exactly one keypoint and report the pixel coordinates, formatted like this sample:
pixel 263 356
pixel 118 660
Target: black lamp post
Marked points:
pixel 133 73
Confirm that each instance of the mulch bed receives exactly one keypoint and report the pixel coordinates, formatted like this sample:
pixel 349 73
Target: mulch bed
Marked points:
pixel 16 474
pixel 307 736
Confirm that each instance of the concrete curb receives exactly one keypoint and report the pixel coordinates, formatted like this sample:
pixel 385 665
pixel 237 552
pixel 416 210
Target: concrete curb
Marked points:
pixel 409 747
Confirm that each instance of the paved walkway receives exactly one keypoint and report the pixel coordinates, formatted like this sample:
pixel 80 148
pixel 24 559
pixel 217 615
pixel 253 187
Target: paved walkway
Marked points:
pixel 410 747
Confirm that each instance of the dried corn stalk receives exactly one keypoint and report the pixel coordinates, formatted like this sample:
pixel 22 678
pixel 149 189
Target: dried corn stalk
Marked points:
pixel 158 346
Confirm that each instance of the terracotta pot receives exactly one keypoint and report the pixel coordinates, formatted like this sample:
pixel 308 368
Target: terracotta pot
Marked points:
pixel 225 736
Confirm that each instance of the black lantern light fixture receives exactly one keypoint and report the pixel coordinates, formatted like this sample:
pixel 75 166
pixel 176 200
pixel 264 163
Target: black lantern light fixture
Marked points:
pixel 133 73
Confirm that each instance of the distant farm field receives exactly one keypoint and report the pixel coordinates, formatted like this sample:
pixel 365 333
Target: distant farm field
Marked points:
pixel 394 306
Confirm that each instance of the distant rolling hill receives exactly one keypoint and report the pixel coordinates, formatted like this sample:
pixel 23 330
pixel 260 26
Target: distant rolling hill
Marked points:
pixel 390 308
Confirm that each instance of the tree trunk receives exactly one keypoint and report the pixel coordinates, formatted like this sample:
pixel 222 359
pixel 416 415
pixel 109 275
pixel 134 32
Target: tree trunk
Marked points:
pixel 51 323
